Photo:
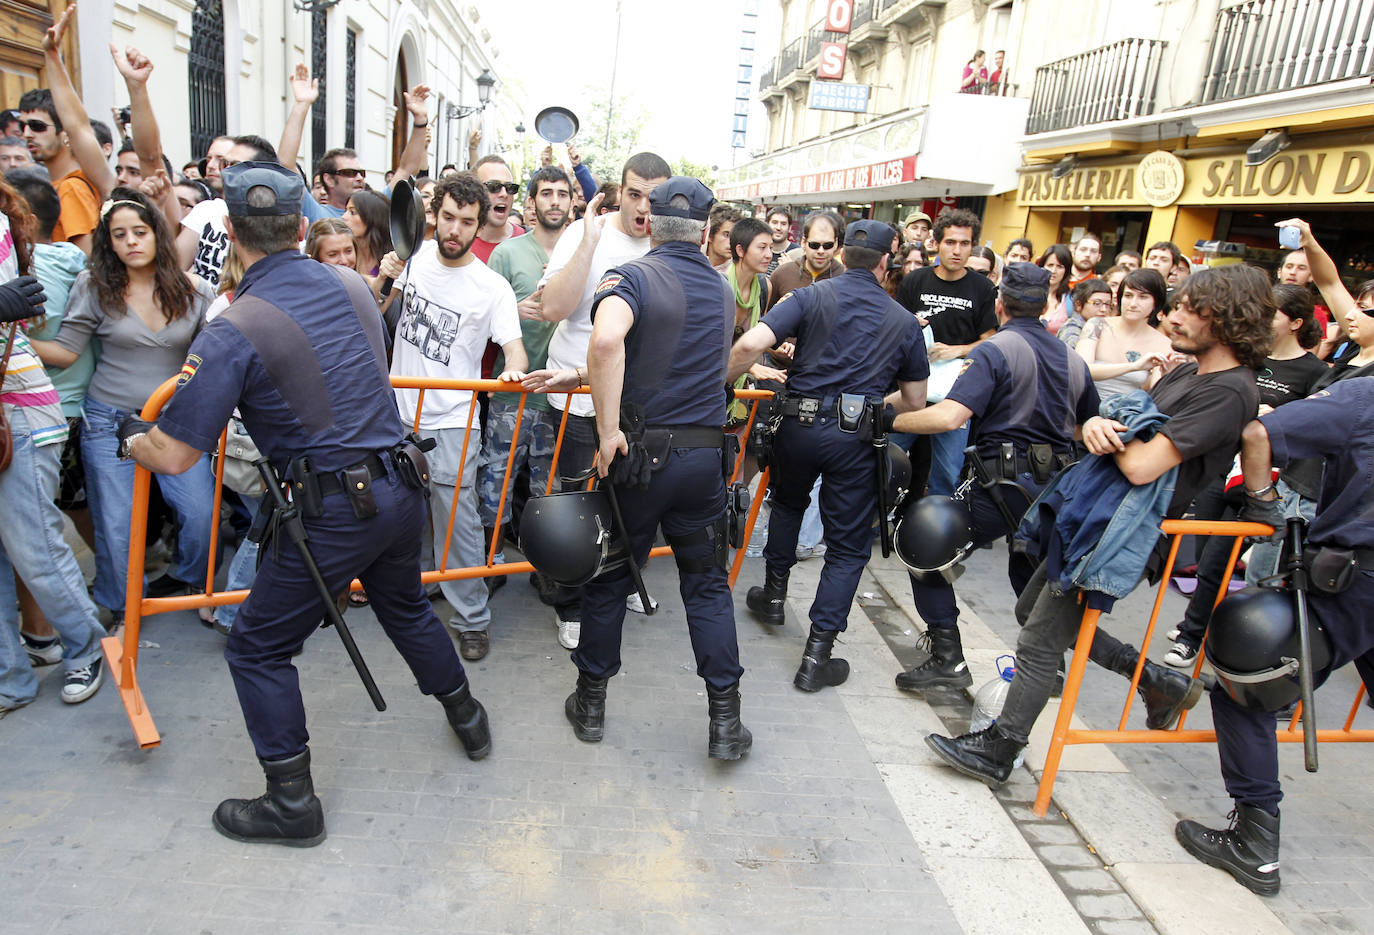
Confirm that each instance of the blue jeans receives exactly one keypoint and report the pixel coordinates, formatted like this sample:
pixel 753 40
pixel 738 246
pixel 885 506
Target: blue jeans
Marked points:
pixel 947 460
pixel 242 570
pixel 32 546
pixel 110 489
pixel 811 529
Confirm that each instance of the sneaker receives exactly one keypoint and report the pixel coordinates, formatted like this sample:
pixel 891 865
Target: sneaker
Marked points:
pixel 82 683
pixel 568 633
pixel 167 586
pixel 1181 656
pixel 41 652
pixel 814 551
pixel 474 644
pixel 635 604
pixel 1172 635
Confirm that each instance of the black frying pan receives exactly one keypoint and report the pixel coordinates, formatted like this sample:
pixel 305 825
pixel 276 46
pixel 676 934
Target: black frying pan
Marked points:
pixel 556 124
pixel 407 223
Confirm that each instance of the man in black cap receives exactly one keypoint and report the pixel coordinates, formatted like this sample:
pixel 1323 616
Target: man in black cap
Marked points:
pixel 300 353
pixel 1025 392
pixel 660 338
pixel 852 342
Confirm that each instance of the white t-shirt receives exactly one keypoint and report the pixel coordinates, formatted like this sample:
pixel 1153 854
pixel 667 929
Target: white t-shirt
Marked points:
pixel 568 346
pixel 447 315
pixel 207 220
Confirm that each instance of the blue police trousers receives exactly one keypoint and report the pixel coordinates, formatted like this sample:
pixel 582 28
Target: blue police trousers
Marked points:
pixel 849 495
pixel 684 497
pixel 284 608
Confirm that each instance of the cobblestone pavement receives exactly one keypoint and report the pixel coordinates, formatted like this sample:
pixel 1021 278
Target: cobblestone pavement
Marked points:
pixel 838 821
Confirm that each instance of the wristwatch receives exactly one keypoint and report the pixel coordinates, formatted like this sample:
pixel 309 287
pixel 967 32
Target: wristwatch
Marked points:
pixel 126 446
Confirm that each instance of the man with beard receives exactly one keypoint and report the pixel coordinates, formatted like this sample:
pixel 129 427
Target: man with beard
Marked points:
pixel 48 144
pixel 590 247
pixel 451 305
pixel 780 223
pixel 491 170
pixel 1087 253
pixel 819 259
pixel 521 261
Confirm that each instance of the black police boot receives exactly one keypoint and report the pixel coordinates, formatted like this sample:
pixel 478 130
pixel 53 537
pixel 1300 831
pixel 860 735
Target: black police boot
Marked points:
pixel 986 755
pixel 288 813
pixel 468 719
pixel 1248 849
pixel 728 738
pixel 1166 693
pixel 817 669
pixel 945 667
pixel 767 602
pixel 586 708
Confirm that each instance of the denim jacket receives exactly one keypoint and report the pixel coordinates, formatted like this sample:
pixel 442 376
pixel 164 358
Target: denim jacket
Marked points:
pixel 1096 529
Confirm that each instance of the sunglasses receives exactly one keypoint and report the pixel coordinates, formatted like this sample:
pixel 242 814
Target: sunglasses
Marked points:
pixel 494 187
pixel 818 245
pixel 37 126
pixel 349 173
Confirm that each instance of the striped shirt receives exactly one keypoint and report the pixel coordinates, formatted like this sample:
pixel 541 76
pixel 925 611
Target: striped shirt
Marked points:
pixel 27 386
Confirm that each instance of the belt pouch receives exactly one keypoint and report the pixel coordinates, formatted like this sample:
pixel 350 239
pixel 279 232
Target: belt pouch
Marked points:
pixel 305 487
pixel 357 482
pixel 1041 462
pixel 412 466
pixel 656 445
pixel 853 408
pixel 1331 570
pixel 729 451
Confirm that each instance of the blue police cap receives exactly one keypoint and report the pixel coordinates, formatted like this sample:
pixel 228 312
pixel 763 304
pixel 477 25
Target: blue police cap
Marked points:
pixel 238 179
pixel 698 198
pixel 875 235
pixel 1026 282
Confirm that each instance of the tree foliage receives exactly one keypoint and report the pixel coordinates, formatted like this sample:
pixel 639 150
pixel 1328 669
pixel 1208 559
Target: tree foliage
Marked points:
pixel 609 134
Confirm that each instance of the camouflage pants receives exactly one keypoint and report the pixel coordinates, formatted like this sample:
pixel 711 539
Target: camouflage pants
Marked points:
pixel 534 449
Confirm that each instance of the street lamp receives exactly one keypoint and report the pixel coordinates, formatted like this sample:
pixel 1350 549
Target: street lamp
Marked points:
pixel 485 82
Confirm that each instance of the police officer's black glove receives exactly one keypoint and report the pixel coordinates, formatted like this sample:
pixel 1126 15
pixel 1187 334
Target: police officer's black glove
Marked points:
pixel 21 298
pixel 1269 512
pixel 632 469
pixel 129 427
pixel 889 418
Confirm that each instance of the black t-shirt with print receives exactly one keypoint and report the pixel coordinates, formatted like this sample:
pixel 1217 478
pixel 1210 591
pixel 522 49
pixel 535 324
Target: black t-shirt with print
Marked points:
pixel 958 312
pixel 1206 415
pixel 1282 381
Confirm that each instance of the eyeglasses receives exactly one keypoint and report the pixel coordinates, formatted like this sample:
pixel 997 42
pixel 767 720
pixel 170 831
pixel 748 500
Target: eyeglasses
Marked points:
pixel 817 245
pixel 494 187
pixel 349 173
pixel 37 126
pixel 1099 303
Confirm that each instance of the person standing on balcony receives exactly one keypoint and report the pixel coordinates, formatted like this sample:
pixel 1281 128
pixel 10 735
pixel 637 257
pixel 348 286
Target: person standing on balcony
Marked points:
pixel 995 79
pixel 975 74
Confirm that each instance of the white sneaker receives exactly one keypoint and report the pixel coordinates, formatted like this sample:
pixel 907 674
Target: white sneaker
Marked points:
pixel 810 551
pixel 82 683
pixel 41 652
pixel 635 604
pixel 1172 635
pixel 1181 656
pixel 568 633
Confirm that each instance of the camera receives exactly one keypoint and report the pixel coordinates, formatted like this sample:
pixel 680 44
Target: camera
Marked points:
pixel 125 117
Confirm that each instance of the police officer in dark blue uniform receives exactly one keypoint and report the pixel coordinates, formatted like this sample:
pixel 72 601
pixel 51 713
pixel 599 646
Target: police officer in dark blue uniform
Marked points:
pixel 300 352
pixel 1025 391
pixel 852 342
pixel 660 337
pixel 1336 425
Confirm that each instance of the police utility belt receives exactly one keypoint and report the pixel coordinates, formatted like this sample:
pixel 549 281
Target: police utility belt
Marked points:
pixel 1040 461
pixel 851 410
pixel 1332 568
pixel 309 486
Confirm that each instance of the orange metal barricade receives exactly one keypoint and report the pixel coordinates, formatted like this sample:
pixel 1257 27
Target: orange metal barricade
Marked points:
pixel 1064 735
pixel 121 651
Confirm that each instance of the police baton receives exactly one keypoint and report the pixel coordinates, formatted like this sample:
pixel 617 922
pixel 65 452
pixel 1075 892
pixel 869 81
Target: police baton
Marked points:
pixel 986 481
pixel 1298 582
pixel 624 534
pixel 883 469
pixel 289 516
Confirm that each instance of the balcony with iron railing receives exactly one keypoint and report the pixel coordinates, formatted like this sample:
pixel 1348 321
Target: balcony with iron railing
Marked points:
pixel 1263 46
pixel 1115 82
pixel 766 77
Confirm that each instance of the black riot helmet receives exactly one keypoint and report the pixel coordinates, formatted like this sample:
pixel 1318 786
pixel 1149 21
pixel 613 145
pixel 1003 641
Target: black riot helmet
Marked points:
pixel 933 533
pixel 567 536
pixel 898 475
pixel 1252 643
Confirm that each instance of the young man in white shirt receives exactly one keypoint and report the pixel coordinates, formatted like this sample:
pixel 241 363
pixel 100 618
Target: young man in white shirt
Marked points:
pixel 451 304
pixel 587 250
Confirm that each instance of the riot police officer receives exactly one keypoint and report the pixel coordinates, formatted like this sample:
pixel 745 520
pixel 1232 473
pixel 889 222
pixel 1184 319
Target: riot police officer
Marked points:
pixel 300 352
pixel 660 338
pixel 852 342
pixel 1025 391
pixel 1337 425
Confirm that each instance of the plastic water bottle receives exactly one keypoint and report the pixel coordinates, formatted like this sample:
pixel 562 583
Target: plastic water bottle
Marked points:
pixel 988 701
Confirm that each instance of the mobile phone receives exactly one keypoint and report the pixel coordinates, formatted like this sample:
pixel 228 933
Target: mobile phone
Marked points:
pixel 1290 238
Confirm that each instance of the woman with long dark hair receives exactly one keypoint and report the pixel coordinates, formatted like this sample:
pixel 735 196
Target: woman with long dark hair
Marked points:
pixel 368 216
pixel 1059 262
pixel 145 311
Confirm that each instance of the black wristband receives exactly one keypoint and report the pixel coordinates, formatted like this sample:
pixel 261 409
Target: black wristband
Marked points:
pixel 421 126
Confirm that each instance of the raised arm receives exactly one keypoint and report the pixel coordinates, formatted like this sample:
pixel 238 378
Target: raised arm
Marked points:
pixel 563 291
pixel 304 91
pixel 1324 272
pixel 415 155
pixel 85 147
pixel 136 68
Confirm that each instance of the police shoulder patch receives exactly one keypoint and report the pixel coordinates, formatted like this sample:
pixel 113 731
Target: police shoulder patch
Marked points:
pixel 609 282
pixel 963 368
pixel 188 369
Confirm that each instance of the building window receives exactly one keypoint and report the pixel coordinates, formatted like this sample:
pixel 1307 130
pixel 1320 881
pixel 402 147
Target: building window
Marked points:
pixel 319 66
pixel 350 87
pixel 205 75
